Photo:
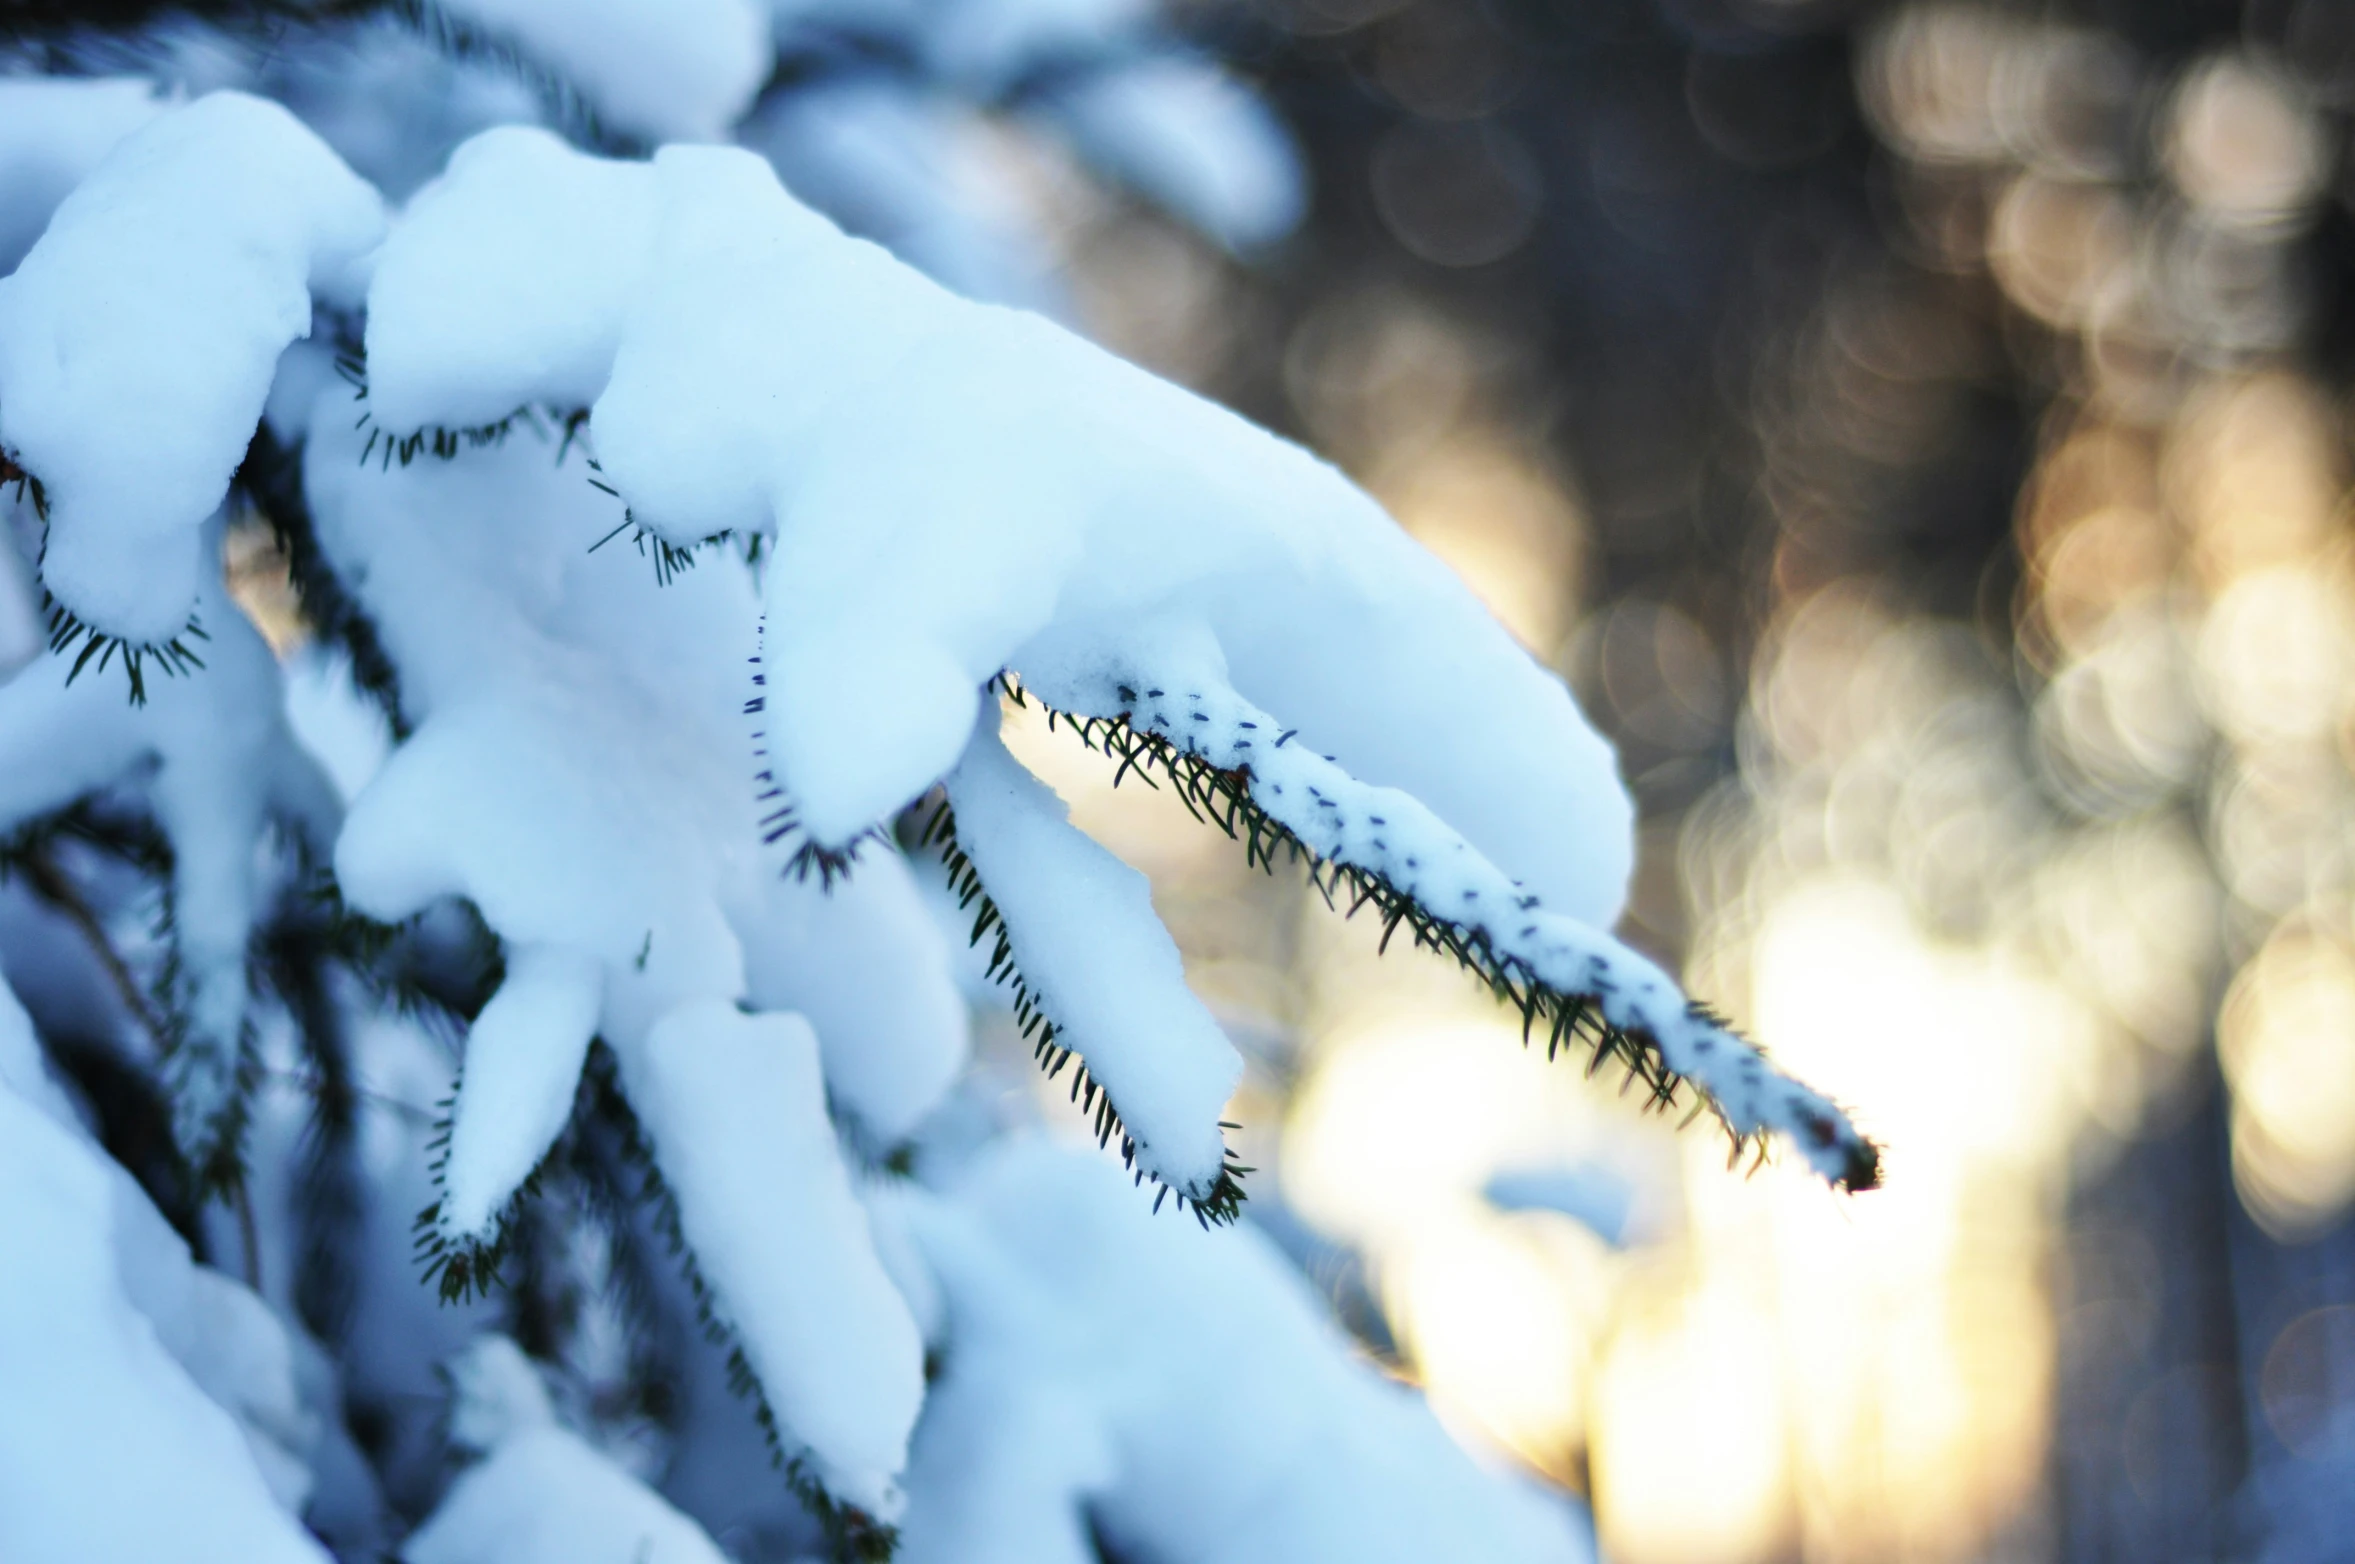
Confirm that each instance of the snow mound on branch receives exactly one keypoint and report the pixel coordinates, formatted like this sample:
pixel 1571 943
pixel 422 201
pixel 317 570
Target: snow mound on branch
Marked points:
pixel 582 768
pixel 953 489
pixel 218 763
pixel 139 337
pixel 1394 836
pixel 952 486
pixel 736 1108
pixel 863 962
pixel 523 1058
pixel 583 771
pixel 541 1494
pixel 1098 961
pixel 464 333
pixel 668 70
pixel 107 1332
pixel 578 770
pixel 1180 1387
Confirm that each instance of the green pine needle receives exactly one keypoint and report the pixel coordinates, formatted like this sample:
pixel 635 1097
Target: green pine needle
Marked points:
pixel 1570 1021
pixel 1224 1202
pixel 67 631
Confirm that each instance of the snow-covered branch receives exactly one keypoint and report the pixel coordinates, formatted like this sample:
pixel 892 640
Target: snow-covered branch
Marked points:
pixel 569 863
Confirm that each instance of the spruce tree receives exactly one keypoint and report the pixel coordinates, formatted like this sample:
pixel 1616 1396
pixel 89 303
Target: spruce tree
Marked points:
pixel 510 1107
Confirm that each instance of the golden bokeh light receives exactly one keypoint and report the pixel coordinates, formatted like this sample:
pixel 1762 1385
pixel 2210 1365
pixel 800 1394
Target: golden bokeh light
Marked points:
pixel 2120 723
pixel 2252 467
pixel 1690 1460
pixel 2242 144
pixel 2287 1039
pixel 2129 912
pixel 2277 650
pixel 2095 565
pixel 1996 903
pixel 1938 82
pixel 1397 1128
pixel 2058 246
pixel 1498 1318
pixel 1502 521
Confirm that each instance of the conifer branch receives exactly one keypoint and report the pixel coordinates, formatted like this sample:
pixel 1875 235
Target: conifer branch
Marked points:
pixel 442 442
pixel 206 1081
pixel 66 631
pixel 27 486
pixel 545 420
pixel 210 1082
pixel 460 1269
pixel 272 480
pixel 209 1079
pixel 605 1177
pixel 329 1189
pixel 55 887
pixel 852 1534
pixel 440 982
pixel 782 821
pixel 670 560
pixel 460 40
pixel 1224 1202
pixel 1571 1021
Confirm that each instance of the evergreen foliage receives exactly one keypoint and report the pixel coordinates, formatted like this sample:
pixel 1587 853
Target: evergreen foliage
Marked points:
pixel 591 1247
pixel 1570 1022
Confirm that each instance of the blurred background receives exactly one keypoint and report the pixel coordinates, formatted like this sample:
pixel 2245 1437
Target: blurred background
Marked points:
pixel 1921 432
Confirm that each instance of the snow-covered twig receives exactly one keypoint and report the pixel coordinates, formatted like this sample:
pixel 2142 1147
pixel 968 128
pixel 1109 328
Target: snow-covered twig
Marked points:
pixel 1237 768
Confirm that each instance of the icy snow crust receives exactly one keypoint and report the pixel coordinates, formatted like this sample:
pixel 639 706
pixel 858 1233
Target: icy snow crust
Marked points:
pixel 139 337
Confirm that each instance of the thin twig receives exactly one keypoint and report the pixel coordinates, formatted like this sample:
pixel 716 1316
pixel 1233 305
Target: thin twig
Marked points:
pixel 56 888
